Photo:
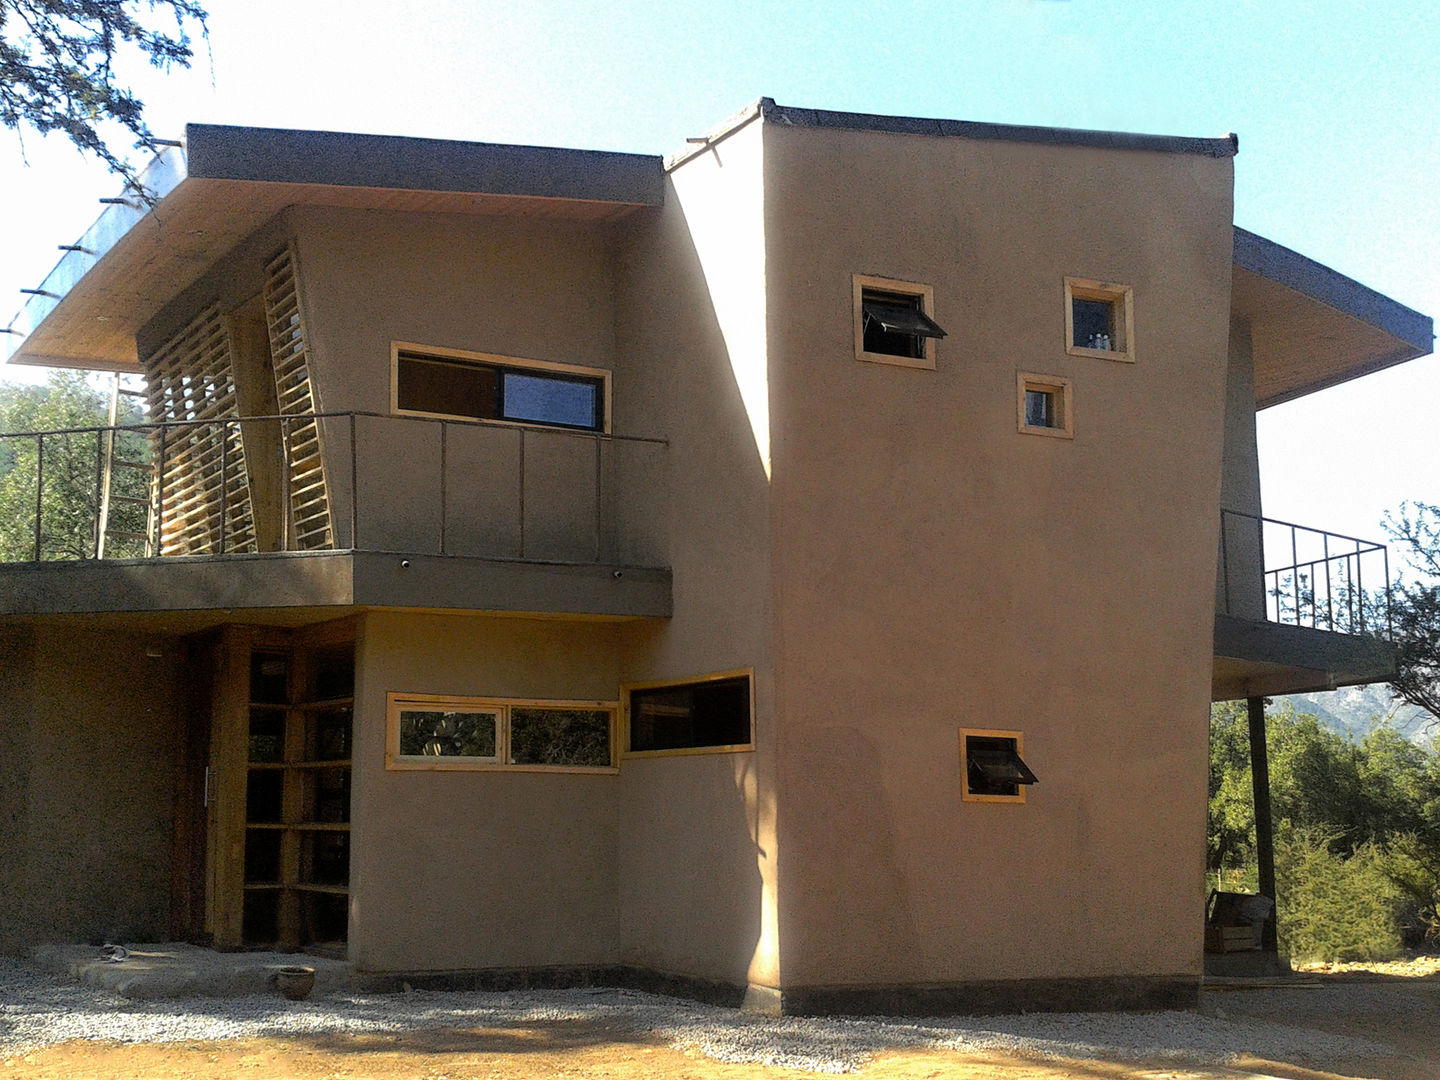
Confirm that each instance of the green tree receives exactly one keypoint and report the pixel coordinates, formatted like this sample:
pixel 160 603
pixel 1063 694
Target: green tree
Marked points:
pixel 58 59
pixel 1415 527
pixel 70 468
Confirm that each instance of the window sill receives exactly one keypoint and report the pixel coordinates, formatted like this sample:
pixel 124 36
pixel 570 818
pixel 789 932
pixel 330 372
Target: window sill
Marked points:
pixel 1100 354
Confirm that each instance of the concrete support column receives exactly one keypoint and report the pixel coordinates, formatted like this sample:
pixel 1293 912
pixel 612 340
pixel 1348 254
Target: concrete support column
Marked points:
pixel 1264 825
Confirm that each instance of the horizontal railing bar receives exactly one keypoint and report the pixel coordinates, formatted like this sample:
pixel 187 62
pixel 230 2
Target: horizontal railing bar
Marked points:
pixel 503 425
pixel 1374 545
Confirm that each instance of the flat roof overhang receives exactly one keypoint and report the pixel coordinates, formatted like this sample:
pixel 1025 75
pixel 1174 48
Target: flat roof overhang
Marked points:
pixel 334 581
pixel 1312 328
pixel 226 182
pixel 1261 659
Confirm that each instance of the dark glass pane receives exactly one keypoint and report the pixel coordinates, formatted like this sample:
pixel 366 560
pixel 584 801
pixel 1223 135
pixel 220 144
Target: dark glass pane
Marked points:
pixel 1039 408
pixel 447 387
pixel 267 736
pixel 447 734
pixel 334 672
pixel 260 917
pixel 546 399
pixel 1091 318
pixel 268 677
pixel 994 766
pixel 693 715
pixel 323 917
pixel 883 315
pixel 264 795
pixel 262 855
pixel 559 737
pixel 327 795
pixel 325 858
pixel 331 736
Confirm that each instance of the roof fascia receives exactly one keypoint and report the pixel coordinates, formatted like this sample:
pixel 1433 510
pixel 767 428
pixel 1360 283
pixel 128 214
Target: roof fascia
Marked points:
pixel 402 163
pixel 1333 289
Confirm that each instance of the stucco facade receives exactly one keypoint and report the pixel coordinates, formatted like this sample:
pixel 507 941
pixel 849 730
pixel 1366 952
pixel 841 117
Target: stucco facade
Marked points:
pixel 877 552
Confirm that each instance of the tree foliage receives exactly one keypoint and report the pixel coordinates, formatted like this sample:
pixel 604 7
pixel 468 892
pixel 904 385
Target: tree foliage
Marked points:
pixel 1416 605
pixel 1357 831
pixel 58 66
pixel 69 499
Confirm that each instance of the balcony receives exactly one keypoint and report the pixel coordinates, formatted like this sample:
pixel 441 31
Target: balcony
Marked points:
pixel 1298 609
pixel 333 509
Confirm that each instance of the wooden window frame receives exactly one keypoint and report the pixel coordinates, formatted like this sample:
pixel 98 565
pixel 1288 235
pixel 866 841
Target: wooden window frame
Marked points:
pixel 1122 300
pixel 396 702
pixel 989 733
pixel 685 751
pixel 1051 384
pixel 494 360
pixel 862 283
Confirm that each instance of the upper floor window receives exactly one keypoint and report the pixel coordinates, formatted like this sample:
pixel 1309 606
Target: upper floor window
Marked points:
pixel 1099 319
pixel 477 386
pixel 894 323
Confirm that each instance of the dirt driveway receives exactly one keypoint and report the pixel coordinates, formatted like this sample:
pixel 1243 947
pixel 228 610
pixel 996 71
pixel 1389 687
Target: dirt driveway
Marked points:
pixel 1400 1012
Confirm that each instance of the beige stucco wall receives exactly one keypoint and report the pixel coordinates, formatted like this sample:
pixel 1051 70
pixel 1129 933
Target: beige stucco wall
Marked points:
pixel 697 854
pixel 466 870
pixel 514 287
pixel 935 569
pixel 88 781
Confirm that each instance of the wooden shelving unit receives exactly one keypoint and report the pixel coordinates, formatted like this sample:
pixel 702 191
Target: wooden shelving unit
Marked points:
pixel 281 764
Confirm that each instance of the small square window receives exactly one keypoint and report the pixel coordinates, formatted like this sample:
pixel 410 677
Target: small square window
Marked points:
pixel 1099 319
pixel 992 767
pixel 894 322
pixel 1044 405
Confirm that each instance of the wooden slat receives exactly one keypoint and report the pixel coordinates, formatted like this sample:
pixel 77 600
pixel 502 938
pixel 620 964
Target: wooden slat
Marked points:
pixel 190 378
pixel 309 496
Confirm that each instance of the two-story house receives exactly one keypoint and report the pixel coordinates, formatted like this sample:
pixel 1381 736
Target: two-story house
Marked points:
pixel 567 566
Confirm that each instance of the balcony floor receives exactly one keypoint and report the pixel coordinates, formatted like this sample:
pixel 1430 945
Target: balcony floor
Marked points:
pixel 334 579
pixel 1260 659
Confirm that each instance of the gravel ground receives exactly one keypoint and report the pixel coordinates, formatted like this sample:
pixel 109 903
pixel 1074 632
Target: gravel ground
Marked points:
pixel 38 1009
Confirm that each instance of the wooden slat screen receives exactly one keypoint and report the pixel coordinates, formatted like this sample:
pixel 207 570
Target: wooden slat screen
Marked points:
pixel 204 494
pixel 305 451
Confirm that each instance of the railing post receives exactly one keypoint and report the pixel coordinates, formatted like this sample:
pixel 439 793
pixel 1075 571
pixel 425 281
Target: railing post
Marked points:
pixel 224 486
pixel 1295 575
pixel 1389 598
pixel 287 509
pixel 1329 592
pixel 160 496
pixel 1360 586
pixel 99 532
pixel 444 506
pixel 39 489
pixel 354 491
pixel 599 446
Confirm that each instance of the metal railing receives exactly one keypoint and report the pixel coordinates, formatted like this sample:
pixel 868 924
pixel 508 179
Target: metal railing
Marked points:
pixel 391 483
pixel 1280 572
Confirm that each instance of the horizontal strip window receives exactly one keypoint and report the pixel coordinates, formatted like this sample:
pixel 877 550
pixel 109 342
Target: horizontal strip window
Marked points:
pixel 480 387
pixel 710 714
pixel 429 732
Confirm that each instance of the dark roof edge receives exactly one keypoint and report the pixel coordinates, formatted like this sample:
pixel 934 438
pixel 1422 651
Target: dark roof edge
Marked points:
pixel 1346 295
pixel 220 152
pixel 969 129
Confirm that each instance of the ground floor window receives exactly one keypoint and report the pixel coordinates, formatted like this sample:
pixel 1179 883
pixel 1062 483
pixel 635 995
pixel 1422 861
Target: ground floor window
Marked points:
pixel 425 731
pixel 709 714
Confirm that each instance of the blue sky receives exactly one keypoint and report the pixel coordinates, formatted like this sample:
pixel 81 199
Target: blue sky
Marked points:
pixel 1337 105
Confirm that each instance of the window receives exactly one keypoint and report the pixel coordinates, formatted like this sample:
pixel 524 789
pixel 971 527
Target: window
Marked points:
pixel 475 386
pixel 1043 405
pixel 893 323
pixel 1099 319
pixel 709 714
pixel 428 732
pixel 991 766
